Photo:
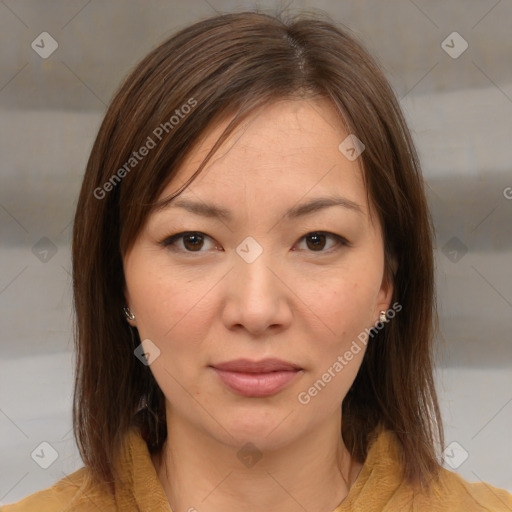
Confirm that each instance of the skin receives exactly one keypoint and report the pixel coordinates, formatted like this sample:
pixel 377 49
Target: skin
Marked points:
pixel 303 299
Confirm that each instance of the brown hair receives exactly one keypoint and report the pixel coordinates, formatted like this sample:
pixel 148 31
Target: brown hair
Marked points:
pixel 231 65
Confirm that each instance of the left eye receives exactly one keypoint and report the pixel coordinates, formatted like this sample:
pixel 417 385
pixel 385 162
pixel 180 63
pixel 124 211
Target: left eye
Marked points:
pixel 194 241
pixel 316 241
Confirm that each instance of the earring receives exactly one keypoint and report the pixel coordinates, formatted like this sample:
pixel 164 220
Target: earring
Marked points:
pixel 383 318
pixel 128 314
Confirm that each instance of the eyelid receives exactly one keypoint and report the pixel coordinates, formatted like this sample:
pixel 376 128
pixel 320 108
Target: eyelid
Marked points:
pixel 342 241
pixel 168 241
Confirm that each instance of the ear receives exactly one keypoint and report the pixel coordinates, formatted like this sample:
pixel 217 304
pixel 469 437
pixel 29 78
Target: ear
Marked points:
pixel 387 287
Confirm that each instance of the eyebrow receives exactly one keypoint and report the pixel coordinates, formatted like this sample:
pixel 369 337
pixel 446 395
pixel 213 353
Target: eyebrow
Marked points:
pixel 314 205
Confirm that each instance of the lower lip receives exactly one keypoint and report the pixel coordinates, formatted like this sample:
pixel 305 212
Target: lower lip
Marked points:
pixel 256 384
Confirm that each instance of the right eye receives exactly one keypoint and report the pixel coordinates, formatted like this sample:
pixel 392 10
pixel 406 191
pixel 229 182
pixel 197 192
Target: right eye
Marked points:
pixel 186 241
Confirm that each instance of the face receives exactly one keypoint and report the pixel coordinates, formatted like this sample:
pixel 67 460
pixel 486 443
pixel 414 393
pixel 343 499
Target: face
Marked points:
pixel 271 278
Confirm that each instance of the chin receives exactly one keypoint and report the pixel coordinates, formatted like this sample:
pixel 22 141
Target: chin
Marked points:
pixel 269 430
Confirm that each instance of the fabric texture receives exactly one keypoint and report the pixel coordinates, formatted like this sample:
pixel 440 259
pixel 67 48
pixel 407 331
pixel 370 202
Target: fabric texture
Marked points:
pixel 378 487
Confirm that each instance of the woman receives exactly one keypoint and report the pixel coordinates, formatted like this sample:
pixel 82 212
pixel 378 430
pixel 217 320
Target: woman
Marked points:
pixel 254 287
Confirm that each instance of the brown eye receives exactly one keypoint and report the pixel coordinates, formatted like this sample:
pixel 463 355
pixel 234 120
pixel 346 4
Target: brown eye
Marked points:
pixel 193 242
pixel 189 241
pixel 319 241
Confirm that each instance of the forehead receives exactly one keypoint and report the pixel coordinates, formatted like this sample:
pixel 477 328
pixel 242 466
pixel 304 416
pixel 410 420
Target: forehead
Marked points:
pixel 289 149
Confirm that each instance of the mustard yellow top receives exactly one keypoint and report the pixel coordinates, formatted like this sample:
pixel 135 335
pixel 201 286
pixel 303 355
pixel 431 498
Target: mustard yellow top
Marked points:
pixel 378 488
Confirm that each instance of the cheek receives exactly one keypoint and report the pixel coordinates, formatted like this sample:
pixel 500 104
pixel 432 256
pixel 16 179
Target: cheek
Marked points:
pixel 160 301
pixel 347 305
pixel 172 315
pixel 166 308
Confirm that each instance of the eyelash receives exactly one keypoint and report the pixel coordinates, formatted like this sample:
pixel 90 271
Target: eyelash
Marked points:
pixel 171 240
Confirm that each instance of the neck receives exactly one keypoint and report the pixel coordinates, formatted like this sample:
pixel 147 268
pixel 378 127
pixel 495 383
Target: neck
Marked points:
pixel 314 472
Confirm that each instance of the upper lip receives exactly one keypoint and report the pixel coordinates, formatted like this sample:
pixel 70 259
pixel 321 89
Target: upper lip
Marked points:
pixel 263 366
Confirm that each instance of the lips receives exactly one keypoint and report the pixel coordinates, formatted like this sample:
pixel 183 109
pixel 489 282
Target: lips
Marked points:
pixel 263 366
pixel 256 378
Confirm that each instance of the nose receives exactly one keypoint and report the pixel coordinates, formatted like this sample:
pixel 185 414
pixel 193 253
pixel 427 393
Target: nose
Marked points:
pixel 256 297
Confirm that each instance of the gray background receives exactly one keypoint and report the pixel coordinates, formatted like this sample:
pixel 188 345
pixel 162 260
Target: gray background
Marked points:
pixel 459 110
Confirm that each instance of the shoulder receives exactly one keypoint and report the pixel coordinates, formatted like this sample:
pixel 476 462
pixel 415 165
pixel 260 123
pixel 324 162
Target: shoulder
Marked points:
pixel 75 492
pixel 381 483
pixel 452 492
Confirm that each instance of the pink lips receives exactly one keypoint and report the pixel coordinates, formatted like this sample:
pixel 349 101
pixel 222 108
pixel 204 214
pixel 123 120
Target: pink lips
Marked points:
pixel 256 378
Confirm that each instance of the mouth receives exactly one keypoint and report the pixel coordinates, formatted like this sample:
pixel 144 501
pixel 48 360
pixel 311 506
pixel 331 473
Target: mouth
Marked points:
pixel 256 378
